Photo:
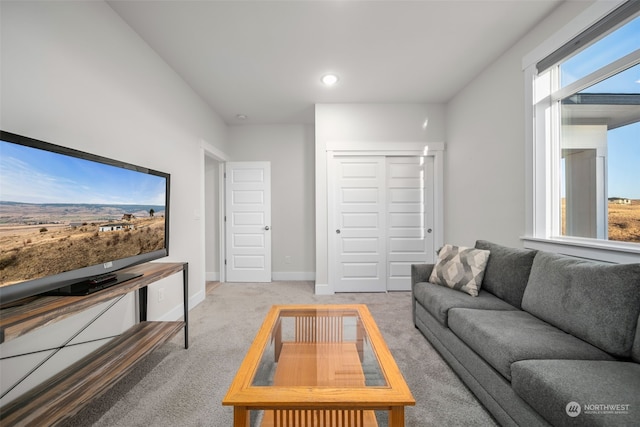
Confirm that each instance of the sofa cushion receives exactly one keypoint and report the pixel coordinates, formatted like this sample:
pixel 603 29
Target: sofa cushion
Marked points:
pixel 460 268
pixel 586 386
pixel 507 271
pixel 438 300
pixel 596 302
pixel 504 337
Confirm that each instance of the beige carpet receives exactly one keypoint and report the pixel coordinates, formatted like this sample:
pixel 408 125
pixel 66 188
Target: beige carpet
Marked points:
pixel 175 387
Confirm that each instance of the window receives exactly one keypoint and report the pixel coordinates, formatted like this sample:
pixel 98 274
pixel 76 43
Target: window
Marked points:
pixel 586 136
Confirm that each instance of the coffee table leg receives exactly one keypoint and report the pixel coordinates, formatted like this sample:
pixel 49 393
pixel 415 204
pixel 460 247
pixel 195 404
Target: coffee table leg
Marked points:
pixel 240 416
pixel 396 416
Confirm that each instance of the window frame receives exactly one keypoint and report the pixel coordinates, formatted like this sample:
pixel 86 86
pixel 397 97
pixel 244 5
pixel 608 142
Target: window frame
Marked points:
pixel 542 166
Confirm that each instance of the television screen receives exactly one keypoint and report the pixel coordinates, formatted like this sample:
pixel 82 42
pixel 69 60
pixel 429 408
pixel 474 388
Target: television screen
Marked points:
pixel 68 216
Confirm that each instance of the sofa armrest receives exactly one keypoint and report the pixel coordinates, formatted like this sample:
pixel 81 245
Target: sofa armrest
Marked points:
pixel 420 273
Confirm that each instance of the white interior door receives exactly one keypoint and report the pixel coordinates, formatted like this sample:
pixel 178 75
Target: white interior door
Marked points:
pixel 409 217
pixel 248 221
pixel 359 225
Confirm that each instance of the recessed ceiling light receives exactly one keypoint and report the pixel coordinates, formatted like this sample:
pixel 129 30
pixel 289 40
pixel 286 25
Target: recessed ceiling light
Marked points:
pixel 241 116
pixel 329 79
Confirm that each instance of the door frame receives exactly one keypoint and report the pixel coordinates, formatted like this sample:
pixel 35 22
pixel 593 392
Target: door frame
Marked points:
pixel 363 149
pixel 208 151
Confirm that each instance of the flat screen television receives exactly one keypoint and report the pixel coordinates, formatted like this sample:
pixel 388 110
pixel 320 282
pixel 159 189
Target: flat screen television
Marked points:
pixel 70 220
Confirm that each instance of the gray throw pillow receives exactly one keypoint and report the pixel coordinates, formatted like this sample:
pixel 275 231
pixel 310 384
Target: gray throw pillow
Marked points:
pixel 460 268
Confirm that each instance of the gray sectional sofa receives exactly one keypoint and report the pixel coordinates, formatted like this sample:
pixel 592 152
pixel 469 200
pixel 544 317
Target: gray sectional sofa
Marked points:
pixel 549 340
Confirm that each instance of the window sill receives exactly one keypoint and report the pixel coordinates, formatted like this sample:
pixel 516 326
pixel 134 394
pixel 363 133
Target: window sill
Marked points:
pixel 607 251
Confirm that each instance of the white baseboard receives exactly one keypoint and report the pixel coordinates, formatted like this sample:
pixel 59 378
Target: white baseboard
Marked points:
pixel 178 312
pixel 197 299
pixel 324 289
pixel 292 276
pixel 284 276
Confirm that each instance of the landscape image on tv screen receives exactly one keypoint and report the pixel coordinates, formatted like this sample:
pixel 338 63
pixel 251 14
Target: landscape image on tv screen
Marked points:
pixel 60 213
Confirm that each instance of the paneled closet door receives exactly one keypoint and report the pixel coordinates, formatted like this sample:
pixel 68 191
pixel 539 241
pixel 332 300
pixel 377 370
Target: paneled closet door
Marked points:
pixel 359 201
pixel 409 186
pixel 383 214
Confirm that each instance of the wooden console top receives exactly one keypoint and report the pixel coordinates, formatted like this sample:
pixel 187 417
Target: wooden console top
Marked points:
pixel 40 311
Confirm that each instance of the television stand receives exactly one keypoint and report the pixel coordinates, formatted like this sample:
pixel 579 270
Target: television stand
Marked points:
pixel 70 390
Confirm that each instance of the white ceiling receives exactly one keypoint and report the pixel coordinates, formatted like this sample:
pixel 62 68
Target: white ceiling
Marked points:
pixel 265 58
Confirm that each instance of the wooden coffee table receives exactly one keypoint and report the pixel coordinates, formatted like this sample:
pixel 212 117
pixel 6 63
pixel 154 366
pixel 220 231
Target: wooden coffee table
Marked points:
pixel 318 365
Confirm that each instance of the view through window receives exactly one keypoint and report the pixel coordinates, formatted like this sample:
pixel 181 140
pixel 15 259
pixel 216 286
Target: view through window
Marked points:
pixel 595 121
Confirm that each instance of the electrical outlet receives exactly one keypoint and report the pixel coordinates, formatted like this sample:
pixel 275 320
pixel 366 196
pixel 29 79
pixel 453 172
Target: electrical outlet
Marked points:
pixel 287 259
pixel 160 294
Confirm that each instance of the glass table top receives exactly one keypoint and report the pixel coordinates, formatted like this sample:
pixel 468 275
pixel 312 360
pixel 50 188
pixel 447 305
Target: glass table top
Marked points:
pixel 318 347
pixel 318 363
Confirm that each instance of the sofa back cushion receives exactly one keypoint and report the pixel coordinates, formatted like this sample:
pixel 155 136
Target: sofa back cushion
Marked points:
pixel 597 302
pixel 507 271
pixel 635 352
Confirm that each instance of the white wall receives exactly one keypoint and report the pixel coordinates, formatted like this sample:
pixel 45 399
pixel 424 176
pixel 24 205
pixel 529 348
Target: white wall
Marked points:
pixel 290 150
pixel 484 185
pixel 338 123
pixel 74 74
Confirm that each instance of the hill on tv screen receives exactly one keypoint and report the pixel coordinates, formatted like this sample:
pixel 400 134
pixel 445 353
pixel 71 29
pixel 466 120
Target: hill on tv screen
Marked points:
pixel 60 212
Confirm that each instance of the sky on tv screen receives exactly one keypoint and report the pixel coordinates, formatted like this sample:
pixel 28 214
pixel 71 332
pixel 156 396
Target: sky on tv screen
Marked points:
pixel 30 175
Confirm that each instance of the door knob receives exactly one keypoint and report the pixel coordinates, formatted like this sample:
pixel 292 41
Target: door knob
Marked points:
pixel 338 231
pixel 267 228
pixel 429 231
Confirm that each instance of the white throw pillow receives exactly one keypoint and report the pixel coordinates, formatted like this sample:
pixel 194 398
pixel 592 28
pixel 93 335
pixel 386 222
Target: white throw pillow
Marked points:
pixel 460 268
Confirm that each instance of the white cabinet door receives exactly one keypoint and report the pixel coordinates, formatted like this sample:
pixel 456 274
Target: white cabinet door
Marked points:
pixel 409 217
pixel 359 225
pixel 248 221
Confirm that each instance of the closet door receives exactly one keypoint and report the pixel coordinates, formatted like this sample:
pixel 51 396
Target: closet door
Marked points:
pixel 359 221
pixel 382 222
pixel 409 186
